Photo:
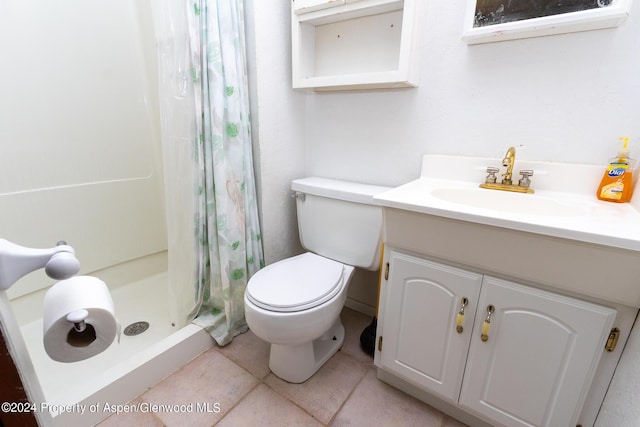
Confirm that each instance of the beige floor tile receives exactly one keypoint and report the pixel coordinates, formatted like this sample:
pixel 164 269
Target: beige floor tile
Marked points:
pixel 354 323
pixel 139 419
pixel 325 392
pixel 374 403
pixel 265 407
pixel 250 352
pixel 209 380
pixel 230 377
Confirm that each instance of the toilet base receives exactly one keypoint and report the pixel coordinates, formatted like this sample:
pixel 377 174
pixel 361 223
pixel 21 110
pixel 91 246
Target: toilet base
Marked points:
pixel 297 363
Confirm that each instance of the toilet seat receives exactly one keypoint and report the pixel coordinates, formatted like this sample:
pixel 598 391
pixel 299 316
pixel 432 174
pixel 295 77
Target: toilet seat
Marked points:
pixel 296 284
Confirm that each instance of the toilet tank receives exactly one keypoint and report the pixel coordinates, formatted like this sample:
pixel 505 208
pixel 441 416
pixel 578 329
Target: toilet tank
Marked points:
pixel 338 220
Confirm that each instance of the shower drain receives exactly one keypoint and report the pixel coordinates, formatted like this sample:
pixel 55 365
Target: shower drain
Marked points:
pixel 136 328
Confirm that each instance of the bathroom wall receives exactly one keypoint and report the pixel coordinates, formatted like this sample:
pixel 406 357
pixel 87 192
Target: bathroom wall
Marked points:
pixel 564 98
pixel 79 147
pixel 278 124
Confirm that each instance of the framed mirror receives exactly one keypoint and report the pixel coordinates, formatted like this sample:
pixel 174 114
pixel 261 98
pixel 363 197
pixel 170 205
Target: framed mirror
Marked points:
pixel 498 20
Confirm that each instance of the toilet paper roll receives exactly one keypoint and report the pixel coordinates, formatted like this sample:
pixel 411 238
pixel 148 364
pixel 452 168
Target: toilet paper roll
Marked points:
pixel 66 338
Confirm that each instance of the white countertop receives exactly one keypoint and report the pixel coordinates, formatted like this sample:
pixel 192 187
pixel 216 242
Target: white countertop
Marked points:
pixel 569 211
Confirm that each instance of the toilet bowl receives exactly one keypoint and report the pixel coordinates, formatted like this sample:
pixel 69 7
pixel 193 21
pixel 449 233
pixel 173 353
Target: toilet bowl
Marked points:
pixel 295 304
pixel 302 323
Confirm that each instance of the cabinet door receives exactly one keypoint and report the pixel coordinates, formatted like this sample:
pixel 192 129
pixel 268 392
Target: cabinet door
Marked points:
pixel 540 357
pixel 420 342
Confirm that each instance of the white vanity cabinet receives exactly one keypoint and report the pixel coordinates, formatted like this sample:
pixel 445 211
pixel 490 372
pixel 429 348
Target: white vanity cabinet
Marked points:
pixel 522 356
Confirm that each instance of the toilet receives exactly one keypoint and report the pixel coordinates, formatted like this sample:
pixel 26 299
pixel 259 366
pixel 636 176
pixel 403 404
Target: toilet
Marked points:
pixel 295 304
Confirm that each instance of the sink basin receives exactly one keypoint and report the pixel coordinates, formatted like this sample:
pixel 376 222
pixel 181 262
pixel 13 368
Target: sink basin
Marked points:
pixel 503 201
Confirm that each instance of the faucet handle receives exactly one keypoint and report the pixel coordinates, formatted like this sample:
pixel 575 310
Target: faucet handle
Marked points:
pixel 491 177
pixel 525 181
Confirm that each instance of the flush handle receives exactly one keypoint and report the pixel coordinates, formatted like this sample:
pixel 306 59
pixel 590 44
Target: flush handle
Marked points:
pixel 460 316
pixel 298 196
pixel 487 323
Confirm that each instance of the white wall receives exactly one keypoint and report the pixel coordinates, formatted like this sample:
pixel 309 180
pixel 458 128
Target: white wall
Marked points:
pixel 79 148
pixel 566 98
pixel 278 124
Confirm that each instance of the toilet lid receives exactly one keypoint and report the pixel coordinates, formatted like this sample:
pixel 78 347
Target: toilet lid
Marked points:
pixel 296 284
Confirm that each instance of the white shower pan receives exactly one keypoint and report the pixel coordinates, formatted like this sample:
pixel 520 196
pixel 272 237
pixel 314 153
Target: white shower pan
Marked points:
pixel 128 367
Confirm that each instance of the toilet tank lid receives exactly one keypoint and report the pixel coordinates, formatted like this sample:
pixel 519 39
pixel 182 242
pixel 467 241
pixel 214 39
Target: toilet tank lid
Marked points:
pixel 337 189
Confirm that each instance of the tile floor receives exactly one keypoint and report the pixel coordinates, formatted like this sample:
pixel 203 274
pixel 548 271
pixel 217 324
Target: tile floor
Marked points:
pixel 232 386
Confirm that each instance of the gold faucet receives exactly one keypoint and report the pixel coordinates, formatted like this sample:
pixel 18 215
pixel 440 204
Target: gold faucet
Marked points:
pixel 508 161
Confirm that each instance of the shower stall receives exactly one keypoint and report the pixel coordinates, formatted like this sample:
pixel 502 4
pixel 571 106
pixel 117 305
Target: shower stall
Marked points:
pixel 81 161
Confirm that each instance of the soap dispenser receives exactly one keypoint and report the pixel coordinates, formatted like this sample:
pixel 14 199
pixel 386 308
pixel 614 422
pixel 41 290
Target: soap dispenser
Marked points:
pixel 617 181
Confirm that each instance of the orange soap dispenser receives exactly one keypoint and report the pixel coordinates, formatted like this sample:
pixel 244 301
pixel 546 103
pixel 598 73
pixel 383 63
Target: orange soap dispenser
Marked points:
pixel 617 181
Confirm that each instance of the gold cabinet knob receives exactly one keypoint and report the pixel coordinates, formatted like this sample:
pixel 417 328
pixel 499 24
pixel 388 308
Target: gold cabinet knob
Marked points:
pixel 487 323
pixel 460 316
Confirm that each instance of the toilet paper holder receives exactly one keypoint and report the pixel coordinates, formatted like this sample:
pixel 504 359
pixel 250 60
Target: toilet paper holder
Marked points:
pixel 77 318
pixel 94 326
pixel 16 261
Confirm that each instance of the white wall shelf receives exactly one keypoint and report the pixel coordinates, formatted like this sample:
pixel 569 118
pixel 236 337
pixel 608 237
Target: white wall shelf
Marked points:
pixel 353 44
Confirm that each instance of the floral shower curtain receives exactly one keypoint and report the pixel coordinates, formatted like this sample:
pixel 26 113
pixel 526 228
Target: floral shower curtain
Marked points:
pixel 212 75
